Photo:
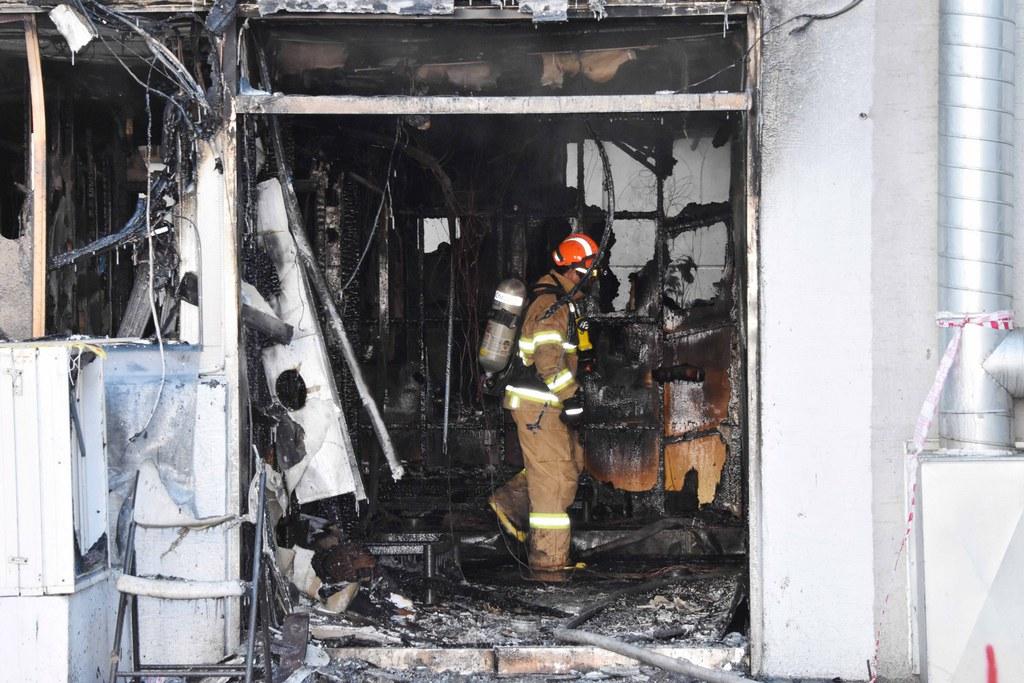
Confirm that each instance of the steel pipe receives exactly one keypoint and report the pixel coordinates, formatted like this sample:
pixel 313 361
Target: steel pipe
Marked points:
pixel 976 167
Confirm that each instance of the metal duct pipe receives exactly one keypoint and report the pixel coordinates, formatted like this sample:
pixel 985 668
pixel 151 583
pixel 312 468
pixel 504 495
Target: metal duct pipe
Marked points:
pixel 976 152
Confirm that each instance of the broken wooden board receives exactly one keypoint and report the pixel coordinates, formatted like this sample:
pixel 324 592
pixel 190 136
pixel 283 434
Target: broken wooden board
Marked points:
pixel 436 660
pixel 706 455
pixel 691 406
pixel 563 660
pixel 626 460
pixel 521 661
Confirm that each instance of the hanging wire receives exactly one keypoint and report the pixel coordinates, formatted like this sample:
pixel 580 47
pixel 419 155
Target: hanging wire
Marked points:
pixel 384 198
pixel 152 266
pixel 163 61
pixel 813 17
pixel 808 19
pixel 161 52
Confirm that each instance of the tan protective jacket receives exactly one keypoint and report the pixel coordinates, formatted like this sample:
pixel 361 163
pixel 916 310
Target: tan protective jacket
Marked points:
pixel 548 345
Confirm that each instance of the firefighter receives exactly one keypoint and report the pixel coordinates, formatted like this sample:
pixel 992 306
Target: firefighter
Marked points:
pixel 547 407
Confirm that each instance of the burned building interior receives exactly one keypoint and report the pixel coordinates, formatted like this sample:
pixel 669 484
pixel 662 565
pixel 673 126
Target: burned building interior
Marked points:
pixel 413 221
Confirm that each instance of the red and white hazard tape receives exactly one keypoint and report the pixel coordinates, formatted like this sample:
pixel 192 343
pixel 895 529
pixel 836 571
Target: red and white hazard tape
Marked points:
pixel 998 320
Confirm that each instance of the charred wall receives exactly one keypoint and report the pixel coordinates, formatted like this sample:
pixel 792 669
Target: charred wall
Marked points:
pixel 106 125
pixel 376 208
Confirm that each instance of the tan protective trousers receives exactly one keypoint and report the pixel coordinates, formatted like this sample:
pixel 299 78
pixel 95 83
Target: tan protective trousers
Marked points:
pixel 554 459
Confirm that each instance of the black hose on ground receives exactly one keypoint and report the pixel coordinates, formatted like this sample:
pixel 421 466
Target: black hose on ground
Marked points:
pixel 644 656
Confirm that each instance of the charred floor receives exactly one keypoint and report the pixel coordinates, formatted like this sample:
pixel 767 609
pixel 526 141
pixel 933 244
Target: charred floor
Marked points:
pixel 412 221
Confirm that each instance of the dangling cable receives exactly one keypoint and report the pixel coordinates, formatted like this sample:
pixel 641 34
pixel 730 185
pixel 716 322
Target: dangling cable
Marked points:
pixel 152 266
pixel 384 197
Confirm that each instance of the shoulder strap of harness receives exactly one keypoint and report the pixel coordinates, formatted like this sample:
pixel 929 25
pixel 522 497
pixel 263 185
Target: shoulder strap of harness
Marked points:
pixel 542 288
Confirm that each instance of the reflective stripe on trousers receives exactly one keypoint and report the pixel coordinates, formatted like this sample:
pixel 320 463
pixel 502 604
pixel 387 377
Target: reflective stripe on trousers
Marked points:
pixel 549 520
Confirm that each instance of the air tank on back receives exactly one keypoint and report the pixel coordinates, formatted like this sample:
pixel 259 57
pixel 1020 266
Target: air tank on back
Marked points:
pixel 499 338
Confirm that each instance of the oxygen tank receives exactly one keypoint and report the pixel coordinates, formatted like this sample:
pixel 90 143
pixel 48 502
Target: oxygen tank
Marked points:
pixel 499 339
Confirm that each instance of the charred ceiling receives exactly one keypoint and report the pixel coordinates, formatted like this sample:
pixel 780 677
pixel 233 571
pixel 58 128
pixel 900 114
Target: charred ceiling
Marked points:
pixel 495 58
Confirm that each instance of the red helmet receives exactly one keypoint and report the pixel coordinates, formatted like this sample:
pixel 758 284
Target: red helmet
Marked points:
pixel 576 250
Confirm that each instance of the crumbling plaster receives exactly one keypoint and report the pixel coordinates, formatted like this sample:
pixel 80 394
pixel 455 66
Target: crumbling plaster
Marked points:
pixel 16 288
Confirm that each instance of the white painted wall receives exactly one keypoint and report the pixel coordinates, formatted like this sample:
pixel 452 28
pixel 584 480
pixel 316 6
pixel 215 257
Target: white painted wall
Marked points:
pixel 903 289
pixel 58 637
pixel 34 643
pixel 91 619
pixel 816 537
pixel 848 232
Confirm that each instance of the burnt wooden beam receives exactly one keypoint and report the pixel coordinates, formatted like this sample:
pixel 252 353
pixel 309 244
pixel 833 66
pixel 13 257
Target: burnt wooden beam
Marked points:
pixel 37 177
pixel 694 216
pixel 137 312
pixel 437 105
pixel 520 660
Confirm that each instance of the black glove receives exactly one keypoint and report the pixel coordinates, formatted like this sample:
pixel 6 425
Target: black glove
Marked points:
pixel 572 411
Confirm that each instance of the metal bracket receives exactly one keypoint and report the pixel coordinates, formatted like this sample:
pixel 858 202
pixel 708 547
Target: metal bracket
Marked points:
pixel 16 382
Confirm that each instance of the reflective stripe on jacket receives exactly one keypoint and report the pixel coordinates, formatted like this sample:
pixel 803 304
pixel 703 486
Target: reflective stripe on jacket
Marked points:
pixel 547 345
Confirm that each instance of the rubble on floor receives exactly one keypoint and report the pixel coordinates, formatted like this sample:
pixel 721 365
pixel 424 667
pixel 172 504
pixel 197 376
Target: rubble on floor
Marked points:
pixel 363 672
pixel 503 609
pixel 496 615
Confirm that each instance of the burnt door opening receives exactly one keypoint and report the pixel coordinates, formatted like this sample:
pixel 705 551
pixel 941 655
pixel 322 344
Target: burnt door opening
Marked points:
pixel 414 220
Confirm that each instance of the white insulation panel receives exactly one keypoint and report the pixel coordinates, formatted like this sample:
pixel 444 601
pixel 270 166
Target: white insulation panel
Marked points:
pixel 972 559
pixel 329 466
pixel 36 521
